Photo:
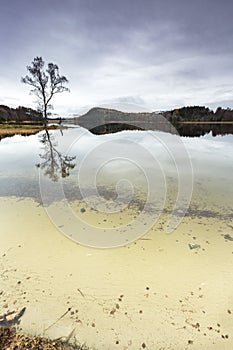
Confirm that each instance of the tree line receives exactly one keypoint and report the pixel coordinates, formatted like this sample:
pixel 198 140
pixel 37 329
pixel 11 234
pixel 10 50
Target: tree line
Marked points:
pixel 199 114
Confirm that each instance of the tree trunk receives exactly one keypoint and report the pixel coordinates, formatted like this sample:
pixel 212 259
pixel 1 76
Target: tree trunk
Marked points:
pixel 45 116
pixel 45 111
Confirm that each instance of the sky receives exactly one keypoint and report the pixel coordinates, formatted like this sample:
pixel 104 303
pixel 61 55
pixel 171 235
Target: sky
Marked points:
pixel 154 54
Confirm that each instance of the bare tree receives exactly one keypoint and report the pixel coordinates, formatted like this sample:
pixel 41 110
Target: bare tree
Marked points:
pixel 45 82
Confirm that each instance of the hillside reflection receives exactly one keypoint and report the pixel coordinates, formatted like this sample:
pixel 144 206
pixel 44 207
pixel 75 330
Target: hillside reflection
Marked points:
pixel 182 129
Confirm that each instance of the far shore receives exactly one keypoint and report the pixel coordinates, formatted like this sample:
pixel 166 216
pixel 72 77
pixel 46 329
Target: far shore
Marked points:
pixel 211 122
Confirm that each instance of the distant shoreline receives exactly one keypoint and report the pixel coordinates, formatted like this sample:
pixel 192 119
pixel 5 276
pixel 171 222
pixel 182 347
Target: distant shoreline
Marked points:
pixel 208 123
pixel 190 121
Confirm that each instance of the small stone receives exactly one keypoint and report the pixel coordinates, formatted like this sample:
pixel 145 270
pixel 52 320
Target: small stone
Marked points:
pixel 112 312
pixel 228 237
pixel 194 246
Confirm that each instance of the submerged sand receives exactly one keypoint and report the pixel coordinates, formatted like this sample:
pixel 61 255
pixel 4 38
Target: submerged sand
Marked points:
pixel 155 293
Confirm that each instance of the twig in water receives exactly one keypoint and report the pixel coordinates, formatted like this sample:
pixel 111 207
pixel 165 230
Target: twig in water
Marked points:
pixel 81 292
pixel 66 339
pixel 70 335
pixel 63 315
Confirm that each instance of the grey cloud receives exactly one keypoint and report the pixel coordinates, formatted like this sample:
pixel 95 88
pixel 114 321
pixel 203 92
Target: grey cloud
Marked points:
pixel 105 45
pixel 221 103
pixel 137 100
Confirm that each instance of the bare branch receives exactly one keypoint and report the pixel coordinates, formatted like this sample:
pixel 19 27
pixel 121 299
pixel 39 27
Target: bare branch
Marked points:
pixel 46 83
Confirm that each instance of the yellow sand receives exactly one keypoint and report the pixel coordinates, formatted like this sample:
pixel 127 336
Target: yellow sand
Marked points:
pixel 154 293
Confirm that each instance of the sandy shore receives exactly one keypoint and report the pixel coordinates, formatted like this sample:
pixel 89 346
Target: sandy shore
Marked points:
pixel 155 293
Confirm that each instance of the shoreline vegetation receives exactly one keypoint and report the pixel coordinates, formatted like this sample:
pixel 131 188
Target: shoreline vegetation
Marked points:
pixel 25 130
pixel 11 339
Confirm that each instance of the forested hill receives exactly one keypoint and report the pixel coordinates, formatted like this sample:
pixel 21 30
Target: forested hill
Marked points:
pixel 199 114
pixel 19 115
pixel 98 116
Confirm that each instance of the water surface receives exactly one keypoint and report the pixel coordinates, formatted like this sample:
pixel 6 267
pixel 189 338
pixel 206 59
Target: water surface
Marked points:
pixel 162 290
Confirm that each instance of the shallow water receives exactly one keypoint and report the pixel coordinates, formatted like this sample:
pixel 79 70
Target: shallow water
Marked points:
pixel 155 291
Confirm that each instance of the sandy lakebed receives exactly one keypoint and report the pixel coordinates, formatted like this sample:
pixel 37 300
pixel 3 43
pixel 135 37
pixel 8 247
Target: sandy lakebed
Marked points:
pixel 155 292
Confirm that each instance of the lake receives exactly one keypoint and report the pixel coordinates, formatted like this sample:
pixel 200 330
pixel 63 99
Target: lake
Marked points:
pixel 125 238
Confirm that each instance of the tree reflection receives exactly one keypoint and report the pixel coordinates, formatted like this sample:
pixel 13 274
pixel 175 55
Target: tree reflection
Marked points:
pixel 54 164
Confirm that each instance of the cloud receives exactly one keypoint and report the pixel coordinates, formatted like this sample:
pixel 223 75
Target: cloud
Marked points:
pixel 163 53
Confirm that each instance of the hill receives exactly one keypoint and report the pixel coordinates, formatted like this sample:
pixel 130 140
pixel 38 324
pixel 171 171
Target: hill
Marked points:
pixel 19 115
pixel 102 120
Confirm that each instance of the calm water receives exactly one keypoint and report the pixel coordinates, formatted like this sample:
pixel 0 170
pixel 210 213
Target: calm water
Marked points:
pixel 122 167
pixel 125 191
